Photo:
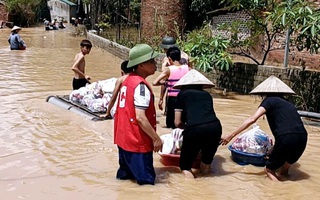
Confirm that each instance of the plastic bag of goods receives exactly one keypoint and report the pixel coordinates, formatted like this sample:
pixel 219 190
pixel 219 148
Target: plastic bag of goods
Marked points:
pixel 253 141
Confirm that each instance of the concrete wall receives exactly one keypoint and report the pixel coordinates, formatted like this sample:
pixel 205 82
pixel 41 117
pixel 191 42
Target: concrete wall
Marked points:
pixel 112 47
pixel 115 48
pixel 59 9
pixel 242 78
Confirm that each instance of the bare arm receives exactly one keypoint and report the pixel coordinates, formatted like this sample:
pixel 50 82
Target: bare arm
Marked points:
pixel 252 119
pixel 162 77
pixel 177 120
pixel 20 40
pixel 162 94
pixel 165 63
pixel 160 80
pixel 115 94
pixel 76 65
pixel 147 128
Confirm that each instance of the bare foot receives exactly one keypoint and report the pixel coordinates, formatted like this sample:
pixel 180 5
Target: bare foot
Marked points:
pixel 205 169
pixel 284 170
pixel 271 174
pixel 282 178
pixel 188 174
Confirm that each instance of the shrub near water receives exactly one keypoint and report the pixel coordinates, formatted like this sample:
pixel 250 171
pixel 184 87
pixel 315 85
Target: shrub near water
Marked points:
pixel 207 52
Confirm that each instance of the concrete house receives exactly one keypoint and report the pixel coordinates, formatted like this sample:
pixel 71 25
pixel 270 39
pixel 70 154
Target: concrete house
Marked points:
pixel 62 9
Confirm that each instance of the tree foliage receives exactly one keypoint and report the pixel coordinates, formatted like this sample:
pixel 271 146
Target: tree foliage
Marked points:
pixel 114 11
pixel 207 52
pixel 271 19
pixel 24 11
pixel 197 12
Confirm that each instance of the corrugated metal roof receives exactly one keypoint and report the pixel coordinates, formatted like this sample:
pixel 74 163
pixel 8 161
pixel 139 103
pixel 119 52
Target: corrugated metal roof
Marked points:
pixel 68 2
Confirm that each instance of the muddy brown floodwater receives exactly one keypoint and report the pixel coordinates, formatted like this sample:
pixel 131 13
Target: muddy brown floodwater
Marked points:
pixel 50 153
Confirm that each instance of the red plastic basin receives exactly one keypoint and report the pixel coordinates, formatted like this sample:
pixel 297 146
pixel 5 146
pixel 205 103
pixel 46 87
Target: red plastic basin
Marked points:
pixel 174 159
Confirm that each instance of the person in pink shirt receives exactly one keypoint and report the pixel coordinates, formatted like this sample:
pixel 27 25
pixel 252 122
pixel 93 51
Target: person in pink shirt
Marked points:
pixel 169 76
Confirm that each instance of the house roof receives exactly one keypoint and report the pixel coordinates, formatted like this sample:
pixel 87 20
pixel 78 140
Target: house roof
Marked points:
pixel 68 2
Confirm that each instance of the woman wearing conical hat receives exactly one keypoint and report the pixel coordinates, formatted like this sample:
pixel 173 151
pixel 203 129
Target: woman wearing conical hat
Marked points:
pixel 195 114
pixel 285 124
pixel 15 41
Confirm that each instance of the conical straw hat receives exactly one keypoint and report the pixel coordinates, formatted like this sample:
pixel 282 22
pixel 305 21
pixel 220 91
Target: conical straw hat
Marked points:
pixel 16 28
pixel 272 85
pixel 193 77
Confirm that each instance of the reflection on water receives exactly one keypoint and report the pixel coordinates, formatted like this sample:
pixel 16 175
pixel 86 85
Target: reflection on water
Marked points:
pixel 49 153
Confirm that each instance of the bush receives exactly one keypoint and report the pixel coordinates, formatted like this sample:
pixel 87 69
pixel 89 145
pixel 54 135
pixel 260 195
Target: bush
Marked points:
pixel 207 52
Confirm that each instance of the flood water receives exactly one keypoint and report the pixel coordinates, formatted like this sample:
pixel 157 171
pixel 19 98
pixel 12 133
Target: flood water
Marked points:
pixel 50 153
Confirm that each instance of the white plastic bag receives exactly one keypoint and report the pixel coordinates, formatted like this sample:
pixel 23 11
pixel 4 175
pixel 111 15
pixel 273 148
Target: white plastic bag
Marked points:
pixel 172 142
pixel 253 141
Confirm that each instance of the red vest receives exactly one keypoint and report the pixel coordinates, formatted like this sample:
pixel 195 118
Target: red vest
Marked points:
pixel 127 133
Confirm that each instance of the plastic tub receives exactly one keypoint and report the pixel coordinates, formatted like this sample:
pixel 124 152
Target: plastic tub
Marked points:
pixel 243 158
pixel 174 159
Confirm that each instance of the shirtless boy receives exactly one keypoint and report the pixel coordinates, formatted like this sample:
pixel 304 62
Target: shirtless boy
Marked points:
pixel 80 78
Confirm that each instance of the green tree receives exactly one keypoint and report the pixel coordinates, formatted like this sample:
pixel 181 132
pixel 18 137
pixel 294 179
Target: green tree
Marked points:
pixel 197 12
pixel 207 52
pixel 23 11
pixel 269 20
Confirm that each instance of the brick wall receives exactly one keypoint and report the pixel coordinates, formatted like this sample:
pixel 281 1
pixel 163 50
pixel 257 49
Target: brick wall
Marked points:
pixel 115 48
pixel 153 15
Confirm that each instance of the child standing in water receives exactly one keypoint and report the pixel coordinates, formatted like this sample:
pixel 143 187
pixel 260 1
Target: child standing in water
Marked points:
pixel 80 78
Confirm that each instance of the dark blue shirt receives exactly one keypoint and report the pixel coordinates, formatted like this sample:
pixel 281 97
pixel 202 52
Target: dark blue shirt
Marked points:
pixel 14 41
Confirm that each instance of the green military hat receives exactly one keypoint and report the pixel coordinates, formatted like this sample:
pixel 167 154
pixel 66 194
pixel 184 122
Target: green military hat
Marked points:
pixel 141 53
pixel 168 42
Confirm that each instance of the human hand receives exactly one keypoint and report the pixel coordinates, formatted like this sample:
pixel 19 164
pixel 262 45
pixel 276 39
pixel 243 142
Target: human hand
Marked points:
pixel 225 140
pixel 88 78
pixel 106 116
pixel 157 144
pixel 160 104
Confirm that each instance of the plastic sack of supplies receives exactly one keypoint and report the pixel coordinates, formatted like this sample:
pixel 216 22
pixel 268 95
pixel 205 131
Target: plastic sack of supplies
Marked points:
pixel 253 141
pixel 172 142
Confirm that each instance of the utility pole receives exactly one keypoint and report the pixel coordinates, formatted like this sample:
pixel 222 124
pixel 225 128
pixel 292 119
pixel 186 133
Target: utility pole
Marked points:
pixel 286 52
pixel 118 21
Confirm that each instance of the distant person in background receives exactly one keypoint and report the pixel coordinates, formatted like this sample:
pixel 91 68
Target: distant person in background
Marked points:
pixel 80 78
pixel 61 25
pixel 46 24
pixel 168 42
pixel 73 21
pixel 15 41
